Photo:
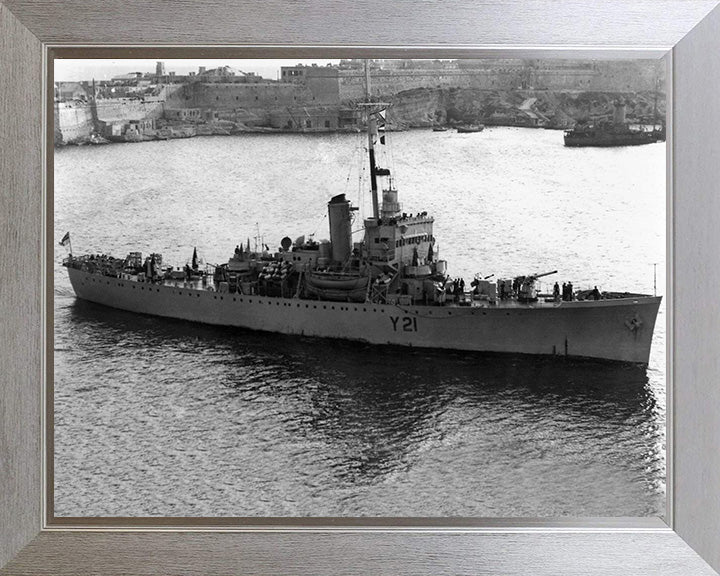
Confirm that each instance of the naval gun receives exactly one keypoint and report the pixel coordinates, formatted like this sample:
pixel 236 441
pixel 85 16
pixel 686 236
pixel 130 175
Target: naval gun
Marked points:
pixel 526 286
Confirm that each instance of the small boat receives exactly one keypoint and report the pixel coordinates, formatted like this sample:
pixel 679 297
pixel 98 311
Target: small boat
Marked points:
pixel 468 128
pixel 337 286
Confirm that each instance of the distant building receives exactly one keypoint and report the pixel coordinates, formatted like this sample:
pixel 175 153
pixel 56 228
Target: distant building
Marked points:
pixel 113 129
pixel 293 73
pixel 184 114
pixel 160 69
pixel 131 76
pixel 223 71
pixel 300 72
pixel 306 119
pixel 323 82
pixel 72 91
pixel 226 74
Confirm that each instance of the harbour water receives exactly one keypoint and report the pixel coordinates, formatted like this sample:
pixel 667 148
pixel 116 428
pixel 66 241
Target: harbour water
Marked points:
pixel 155 417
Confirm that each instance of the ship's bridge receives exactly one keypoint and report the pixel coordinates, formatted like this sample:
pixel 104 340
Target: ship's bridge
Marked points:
pixel 399 237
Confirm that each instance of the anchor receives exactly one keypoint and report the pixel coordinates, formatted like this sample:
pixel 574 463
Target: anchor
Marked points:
pixel 634 324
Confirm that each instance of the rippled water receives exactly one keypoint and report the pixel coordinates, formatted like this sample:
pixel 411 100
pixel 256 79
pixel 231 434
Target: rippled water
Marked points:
pixel 161 417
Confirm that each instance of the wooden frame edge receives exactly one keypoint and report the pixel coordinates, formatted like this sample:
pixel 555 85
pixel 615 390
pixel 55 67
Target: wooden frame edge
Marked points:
pixel 47 542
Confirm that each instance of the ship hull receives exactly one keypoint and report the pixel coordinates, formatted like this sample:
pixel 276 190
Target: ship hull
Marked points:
pixel 610 140
pixel 619 330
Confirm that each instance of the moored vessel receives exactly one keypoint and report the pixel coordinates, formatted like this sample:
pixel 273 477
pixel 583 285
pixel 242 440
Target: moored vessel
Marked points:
pixel 470 128
pixel 609 133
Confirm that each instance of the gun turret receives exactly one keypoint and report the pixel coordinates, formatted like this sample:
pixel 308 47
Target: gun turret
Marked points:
pixel 540 275
pixel 527 291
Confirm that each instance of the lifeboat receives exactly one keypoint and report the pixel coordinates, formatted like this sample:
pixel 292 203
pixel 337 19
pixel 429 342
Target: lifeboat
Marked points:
pixel 337 286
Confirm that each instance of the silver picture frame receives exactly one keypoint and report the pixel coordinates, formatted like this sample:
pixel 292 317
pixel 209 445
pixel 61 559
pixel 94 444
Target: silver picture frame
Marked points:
pixel 684 32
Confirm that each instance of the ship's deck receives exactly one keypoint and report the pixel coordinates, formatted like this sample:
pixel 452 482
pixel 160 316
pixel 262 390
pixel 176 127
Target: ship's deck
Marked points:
pixel 465 301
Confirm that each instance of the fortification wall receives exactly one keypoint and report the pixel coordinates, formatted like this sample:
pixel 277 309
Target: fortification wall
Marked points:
pixel 628 76
pixel 385 83
pixel 73 122
pixel 218 95
pixel 597 76
pixel 129 109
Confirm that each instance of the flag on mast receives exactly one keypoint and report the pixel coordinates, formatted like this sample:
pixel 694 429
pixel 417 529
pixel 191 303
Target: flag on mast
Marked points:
pixel 66 241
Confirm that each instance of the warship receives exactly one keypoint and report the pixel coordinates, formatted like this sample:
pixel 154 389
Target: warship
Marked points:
pixel 608 133
pixel 390 288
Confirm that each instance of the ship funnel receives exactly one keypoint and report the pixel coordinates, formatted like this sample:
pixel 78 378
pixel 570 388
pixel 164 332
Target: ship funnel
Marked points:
pixel 340 227
pixel 619 117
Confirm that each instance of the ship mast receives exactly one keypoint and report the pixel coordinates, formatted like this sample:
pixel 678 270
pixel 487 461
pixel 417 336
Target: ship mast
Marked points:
pixel 371 130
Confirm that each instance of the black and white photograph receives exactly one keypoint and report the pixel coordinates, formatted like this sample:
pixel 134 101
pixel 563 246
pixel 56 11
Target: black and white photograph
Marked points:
pixel 396 288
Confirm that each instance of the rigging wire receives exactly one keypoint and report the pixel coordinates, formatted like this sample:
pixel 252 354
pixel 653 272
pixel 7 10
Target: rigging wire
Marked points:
pixel 319 223
pixel 350 169
pixel 391 154
pixel 362 183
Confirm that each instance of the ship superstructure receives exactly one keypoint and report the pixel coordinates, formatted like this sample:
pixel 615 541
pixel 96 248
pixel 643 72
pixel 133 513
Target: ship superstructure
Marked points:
pixel 391 287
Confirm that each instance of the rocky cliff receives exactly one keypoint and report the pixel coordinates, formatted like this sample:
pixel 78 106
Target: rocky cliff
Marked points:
pixel 554 109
